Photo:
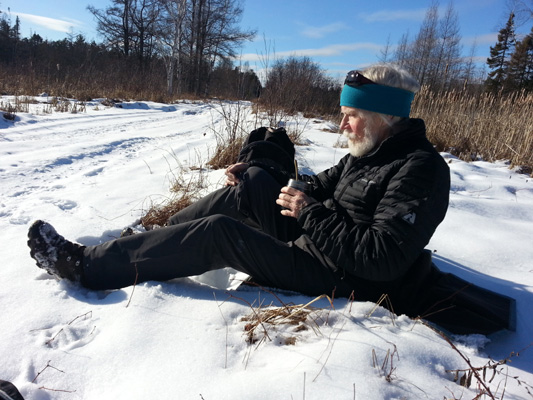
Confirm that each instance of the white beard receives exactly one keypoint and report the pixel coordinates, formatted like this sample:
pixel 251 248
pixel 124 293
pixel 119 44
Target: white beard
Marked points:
pixel 361 146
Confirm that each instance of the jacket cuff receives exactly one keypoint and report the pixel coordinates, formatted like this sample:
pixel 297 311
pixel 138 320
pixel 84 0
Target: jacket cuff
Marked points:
pixel 304 212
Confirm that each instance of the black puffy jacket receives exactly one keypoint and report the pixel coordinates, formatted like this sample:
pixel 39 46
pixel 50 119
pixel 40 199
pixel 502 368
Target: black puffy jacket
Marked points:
pixel 377 212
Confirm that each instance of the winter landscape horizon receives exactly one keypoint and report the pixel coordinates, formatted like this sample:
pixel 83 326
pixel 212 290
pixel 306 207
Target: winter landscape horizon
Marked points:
pixel 97 171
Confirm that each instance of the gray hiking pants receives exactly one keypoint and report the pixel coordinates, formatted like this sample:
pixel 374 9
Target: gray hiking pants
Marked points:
pixel 239 227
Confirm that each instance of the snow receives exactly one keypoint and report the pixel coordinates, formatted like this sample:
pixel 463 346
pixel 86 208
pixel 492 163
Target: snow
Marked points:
pixel 97 171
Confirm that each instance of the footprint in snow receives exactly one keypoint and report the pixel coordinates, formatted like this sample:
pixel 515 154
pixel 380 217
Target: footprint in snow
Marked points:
pixel 65 204
pixel 78 332
pixel 62 204
pixel 94 172
pixel 21 220
pixel 5 212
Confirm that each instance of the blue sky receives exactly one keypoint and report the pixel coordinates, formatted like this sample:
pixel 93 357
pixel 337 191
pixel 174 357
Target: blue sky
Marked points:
pixel 339 35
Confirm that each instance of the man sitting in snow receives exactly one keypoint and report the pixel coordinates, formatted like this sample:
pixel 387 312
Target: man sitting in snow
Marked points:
pixel 361 230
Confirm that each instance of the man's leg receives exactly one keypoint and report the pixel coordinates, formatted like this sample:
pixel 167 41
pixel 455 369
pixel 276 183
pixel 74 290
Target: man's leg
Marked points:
pixel 253 202
pixel 195 247
pixel 222 201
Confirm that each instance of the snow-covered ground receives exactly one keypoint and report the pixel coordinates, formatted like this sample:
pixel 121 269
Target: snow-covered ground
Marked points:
pixel 95 172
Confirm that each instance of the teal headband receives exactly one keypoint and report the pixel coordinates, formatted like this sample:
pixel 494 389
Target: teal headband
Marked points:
pixel 378 98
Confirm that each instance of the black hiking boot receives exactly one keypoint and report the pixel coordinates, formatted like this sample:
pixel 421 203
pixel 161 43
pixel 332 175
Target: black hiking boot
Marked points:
pixel 54 253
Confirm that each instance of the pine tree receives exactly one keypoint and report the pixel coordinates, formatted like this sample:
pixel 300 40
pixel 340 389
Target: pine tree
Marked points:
pixel 521 65
pixel 498 62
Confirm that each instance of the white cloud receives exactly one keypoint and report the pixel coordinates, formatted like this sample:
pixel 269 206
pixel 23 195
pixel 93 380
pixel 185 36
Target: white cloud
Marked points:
pixel 48 23
pixel 328 51
pixel 394 15
pixel 317 32
pixel 489 38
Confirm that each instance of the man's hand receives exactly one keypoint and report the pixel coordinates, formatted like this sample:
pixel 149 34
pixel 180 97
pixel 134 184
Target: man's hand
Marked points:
pixel 293 200
pixel 233 173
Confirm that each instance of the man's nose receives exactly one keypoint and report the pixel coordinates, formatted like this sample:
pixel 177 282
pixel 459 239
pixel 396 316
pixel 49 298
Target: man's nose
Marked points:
pixel 343 123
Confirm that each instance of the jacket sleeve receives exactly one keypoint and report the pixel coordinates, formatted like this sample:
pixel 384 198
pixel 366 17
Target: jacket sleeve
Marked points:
pixel 414 203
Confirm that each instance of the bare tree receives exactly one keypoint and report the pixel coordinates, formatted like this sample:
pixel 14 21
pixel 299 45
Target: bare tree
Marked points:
pixel 469 66
pixel 385 52
pixel 114 24
pixel 170 39
pixel 434 55
pixel 422 49
pixel 128 26
pixel 144 17
pixel 401 54
pixel 447 61
pixel 189 36
pixel 298 84
pixel 212 34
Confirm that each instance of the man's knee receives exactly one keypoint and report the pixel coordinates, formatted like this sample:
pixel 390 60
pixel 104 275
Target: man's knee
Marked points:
pixel 219 201
pixel 258 182
pixel 258 175
pixel 219 222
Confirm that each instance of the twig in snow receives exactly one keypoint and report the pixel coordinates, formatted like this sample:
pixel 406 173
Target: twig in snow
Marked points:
pixel 330 346
pixel 384 298
pixel 259 319
pixel 81 316
pixel 149 169
pixel 47 366
pixel 473 371
pixel 53 338
pixel 134 284
pixel 70 323
pixel 57 390
pixel 387 367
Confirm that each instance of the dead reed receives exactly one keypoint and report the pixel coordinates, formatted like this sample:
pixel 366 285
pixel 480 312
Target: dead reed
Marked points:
pixel 230 132
pixel 293 318
pixel 183 192
pixel 479 126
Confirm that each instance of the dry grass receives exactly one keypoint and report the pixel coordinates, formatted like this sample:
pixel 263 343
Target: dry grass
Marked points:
pixel 230 133
pixel 479 126
pixel 226 152
pixel 159 213
pixel 301 317
pixel 184 192
pixel 112 81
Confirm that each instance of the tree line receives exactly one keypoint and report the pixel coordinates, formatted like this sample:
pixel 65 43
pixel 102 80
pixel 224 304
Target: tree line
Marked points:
pixel 188 36
pixel 162 49
pixel 433 56
pixel 174 47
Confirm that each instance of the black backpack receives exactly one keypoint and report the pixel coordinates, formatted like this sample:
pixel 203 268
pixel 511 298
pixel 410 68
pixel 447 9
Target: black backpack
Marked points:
pixel 270 149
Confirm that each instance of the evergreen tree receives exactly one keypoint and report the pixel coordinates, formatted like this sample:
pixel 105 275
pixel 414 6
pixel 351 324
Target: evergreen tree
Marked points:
pixel 521 65
pixel 498 62
pixel 15 30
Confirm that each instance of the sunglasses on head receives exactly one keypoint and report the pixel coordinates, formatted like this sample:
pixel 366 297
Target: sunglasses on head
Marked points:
pixel 355 79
